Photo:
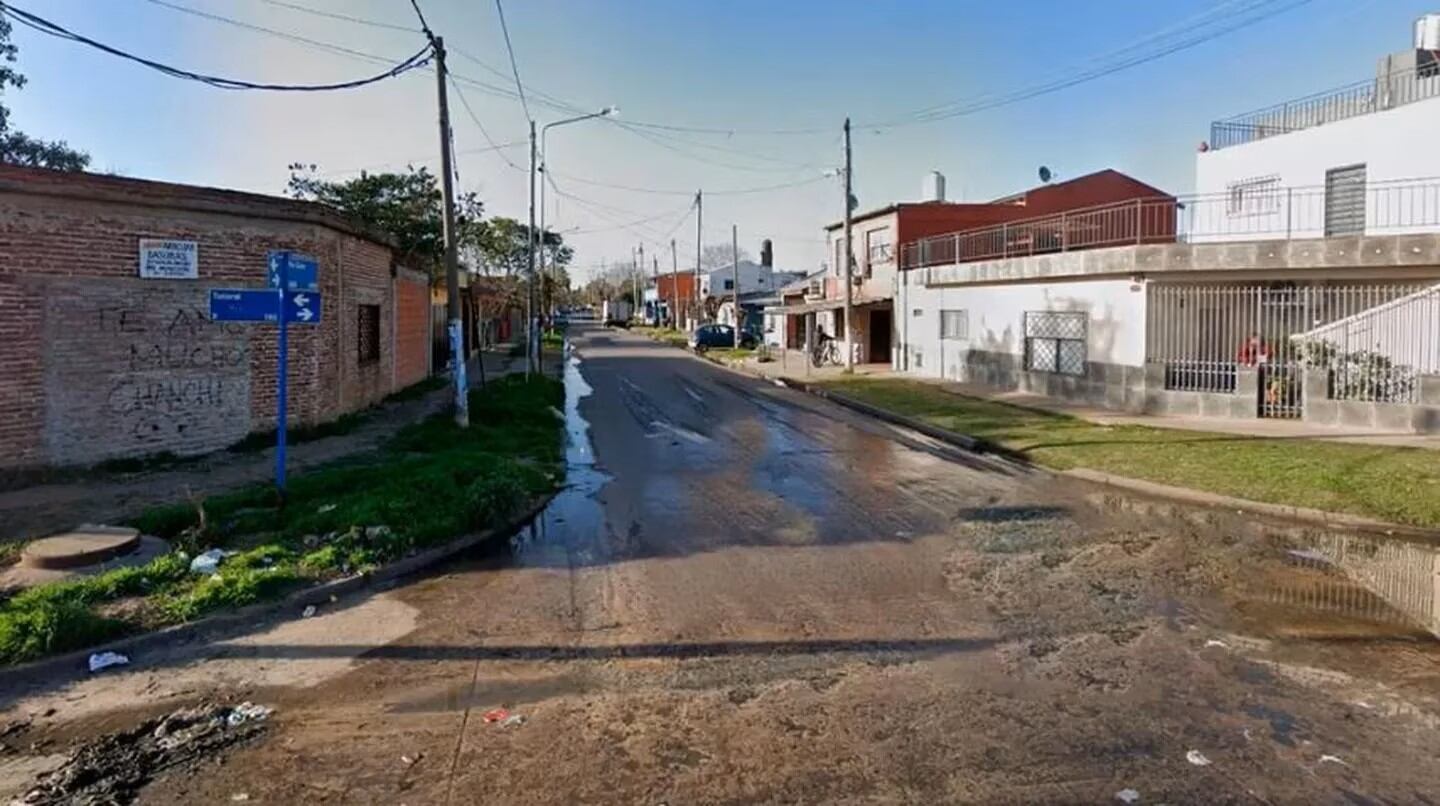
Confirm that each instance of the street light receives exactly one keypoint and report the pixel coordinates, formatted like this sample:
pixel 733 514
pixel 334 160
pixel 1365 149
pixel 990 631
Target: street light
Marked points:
pixel 537 241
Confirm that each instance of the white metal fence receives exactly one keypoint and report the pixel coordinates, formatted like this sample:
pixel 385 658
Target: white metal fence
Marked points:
pixel 1374 341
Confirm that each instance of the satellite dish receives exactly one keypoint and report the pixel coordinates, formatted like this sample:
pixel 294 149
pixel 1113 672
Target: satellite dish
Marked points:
pixel 854 202
pixel 1045 174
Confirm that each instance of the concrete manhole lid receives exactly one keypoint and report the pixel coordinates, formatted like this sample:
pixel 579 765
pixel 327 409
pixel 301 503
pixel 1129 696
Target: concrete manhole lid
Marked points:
pixel 85 545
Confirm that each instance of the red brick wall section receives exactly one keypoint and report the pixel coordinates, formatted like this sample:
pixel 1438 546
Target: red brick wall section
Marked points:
pixel 99 363
pixel 412 328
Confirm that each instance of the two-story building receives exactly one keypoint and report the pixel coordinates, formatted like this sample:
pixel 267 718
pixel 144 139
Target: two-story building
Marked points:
pixel 1302 282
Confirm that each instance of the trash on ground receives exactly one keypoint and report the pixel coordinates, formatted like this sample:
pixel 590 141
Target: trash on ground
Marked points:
pixel 240 796
pixel 411 761
pixel 327 508
pixel 495 715
pixel 207 562
pixel 376 532
pixel 308 611
pixel 512 721
pixel 1333 760
pixel 104 660
pixel 247 712
pixel 1127 796
pixel 1197 758
pixel 1214 642
pixel 113 768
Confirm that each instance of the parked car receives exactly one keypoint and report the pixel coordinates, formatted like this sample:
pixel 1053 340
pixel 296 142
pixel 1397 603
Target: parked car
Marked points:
pixel 708 336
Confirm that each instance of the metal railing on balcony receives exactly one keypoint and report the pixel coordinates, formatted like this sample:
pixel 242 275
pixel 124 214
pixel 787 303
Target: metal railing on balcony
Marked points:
pixel 1388 91
pixel 1263 211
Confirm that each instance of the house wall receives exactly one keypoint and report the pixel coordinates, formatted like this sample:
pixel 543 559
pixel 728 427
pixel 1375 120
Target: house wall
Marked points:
pixel 412 328
pixel 101 363
pixel 1396 144
pixel 993 353
pixel 753 277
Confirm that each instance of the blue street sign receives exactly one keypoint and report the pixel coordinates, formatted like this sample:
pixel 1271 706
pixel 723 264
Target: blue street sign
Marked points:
pixel 304 272
pixel 259 305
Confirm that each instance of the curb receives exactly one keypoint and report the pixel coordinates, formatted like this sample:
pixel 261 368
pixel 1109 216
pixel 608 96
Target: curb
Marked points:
pixel 72 665
pixel 1181 495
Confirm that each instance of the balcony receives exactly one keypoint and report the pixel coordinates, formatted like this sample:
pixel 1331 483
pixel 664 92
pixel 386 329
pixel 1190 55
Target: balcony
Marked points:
pixel 1245 214
pixel 1396 88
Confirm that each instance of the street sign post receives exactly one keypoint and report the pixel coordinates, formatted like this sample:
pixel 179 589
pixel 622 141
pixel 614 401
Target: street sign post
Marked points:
pixel 287 300
pixel 303 271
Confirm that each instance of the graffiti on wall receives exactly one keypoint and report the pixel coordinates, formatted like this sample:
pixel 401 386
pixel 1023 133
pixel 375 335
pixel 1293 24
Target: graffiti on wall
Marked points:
pixel 132 372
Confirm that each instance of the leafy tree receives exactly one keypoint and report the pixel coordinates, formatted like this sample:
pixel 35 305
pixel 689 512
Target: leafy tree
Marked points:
pixel 16 147
pixel 503 247
pixel 407 205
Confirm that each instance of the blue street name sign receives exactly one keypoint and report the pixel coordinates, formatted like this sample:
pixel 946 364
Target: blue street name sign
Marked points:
pixel 260 305
pixel 303 273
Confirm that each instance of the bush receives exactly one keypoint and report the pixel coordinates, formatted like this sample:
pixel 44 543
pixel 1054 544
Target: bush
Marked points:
pixel 495 494
pixel 52 626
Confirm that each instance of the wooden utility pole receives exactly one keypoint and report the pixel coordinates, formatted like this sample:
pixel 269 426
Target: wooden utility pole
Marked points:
pixel 531 337
pixel 849 260
pixel 455 327
pixel 674 287
pixel 699 239
pixel 735 273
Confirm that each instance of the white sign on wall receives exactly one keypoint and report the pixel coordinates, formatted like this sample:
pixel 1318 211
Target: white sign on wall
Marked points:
pixel 169 260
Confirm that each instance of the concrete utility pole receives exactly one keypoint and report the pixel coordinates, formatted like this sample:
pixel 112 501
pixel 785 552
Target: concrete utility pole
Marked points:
pixel 699 239
pixel 674 287
pixel 452 260
pixel 635 282
pixel 640 283
pixel 849 259
pixel 735 274
pixel 532 340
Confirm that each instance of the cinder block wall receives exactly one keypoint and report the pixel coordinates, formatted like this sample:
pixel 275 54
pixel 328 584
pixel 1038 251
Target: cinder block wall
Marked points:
pixel 99 363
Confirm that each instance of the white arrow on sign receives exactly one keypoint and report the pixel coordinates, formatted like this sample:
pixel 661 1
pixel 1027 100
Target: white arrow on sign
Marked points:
pixel 301 300
pixel 304 315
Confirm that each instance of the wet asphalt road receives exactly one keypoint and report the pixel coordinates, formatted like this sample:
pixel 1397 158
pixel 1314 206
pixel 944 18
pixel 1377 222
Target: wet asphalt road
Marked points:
pixel 749 595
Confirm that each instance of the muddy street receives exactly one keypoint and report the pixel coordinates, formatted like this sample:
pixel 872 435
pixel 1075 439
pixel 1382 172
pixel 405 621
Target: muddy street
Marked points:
pixel 746 594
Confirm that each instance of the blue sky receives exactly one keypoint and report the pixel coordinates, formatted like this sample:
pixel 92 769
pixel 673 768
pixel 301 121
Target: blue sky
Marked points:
pixel 745 65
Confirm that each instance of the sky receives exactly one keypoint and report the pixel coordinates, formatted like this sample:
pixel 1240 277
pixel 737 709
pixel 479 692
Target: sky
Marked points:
pixel 758 91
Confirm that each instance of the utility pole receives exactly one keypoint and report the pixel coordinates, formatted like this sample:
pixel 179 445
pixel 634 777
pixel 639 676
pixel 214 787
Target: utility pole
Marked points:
pixel 532 341
pixel 735 274
pixel 849 260
pixel 640 282
pixel 699 238
pixel 674 287
pixel 452 261
pixel 634 284
pixel 655 276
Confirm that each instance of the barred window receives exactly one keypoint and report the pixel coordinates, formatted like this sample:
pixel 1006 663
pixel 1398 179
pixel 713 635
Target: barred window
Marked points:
pixel 367 332
pixel 955 324
pixel 1255 196
pixel 1055 341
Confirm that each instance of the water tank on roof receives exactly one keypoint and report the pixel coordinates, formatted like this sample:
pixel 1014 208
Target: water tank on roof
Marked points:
pixel 934 188
pixel 1427 32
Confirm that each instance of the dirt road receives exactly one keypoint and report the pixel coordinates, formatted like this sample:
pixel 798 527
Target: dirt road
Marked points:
pixel 748 595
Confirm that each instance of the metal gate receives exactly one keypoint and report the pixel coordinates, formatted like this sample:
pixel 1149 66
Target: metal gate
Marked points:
pixel 1372 341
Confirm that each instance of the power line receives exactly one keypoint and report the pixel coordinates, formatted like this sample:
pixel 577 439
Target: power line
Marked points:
pixel 474 118
pixel 424 26
pixel 314 43
pixel 49 28
pixel 345 17
pixel 519 88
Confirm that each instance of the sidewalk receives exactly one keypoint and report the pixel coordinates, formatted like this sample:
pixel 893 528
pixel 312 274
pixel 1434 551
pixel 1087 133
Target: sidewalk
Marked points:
pixel 790 364
pixel 37 510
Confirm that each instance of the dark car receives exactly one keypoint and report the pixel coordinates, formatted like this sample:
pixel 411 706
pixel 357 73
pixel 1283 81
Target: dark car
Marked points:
pixel 707 336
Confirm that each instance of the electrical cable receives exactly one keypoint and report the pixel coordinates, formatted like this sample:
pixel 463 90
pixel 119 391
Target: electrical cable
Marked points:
pixel 519 88
pixel 49 28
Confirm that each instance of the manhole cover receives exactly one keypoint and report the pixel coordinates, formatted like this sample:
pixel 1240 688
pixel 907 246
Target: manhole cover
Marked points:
pixel 85 545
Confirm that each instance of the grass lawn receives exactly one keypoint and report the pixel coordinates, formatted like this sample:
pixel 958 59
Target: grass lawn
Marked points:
pixel 729 353
pixel 1389 483
pixel 431 482
pixel 666 335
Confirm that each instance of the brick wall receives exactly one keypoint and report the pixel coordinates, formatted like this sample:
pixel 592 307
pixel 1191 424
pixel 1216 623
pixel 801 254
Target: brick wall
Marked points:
pixel 100 363
pixel 412 328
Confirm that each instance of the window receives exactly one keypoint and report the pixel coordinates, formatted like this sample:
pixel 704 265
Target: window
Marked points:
pixel 1256 196
pixel 730 285
pixel 955 324
pixel 877 247
pixel 1345 201
pixel 917 312
pixel 367 332
pixel 1055 341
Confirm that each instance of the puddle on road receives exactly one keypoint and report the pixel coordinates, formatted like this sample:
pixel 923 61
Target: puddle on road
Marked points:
pixel 555 536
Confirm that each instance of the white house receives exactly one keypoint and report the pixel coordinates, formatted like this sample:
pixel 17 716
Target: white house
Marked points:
pixel 1348 161
pixel 754 278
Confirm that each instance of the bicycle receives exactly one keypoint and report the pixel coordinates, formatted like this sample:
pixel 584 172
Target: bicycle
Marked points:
pixel 824 352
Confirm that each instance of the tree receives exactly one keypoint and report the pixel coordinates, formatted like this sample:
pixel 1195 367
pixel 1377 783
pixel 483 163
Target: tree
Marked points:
pixel 408 206
pixel 718 255
pixel 16 147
